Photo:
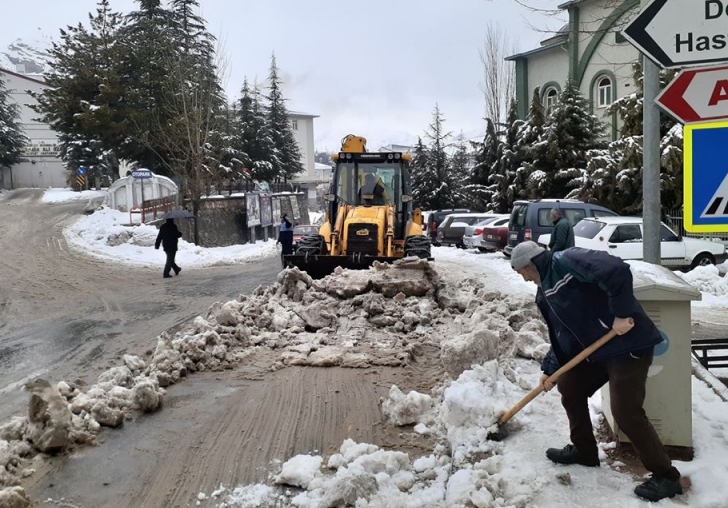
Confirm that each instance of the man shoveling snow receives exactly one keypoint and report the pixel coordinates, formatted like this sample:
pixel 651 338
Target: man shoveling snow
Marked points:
pixel 580 294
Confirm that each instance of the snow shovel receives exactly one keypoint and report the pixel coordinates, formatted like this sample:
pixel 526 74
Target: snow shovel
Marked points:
pixel 502 432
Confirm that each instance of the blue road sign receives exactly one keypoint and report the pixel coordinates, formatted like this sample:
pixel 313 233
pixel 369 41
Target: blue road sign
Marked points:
pixel 81 171
pixel 706 177
pixel 142 173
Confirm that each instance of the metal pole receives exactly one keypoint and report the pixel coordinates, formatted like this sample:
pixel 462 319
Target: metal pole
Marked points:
pixel 651 163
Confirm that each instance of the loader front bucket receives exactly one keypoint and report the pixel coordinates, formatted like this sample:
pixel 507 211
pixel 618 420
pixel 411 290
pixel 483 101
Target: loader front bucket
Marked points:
pixel 319 266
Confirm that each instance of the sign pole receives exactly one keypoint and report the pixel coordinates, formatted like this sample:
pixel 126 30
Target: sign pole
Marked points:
pixel 651 163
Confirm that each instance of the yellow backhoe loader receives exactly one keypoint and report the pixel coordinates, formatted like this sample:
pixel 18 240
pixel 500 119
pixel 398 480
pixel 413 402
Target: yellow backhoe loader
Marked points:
pixel 369 216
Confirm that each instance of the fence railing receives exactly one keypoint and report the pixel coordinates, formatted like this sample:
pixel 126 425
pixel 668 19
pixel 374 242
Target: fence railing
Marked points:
pixel 228 187
pixel 675 220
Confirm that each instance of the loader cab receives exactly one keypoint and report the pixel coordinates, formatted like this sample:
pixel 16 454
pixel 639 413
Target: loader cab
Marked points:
pixel 371 179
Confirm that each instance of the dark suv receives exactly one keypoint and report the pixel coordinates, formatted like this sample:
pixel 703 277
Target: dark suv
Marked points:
pixel 435 218
pixel 531 219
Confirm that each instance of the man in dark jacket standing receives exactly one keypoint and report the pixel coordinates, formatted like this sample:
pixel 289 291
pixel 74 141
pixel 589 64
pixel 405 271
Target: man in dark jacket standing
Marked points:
pixel 285 236
pixel 582 294
pixel 167 237
pixel 563 236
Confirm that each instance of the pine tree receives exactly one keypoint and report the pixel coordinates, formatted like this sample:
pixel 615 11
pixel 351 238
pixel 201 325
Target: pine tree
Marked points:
pixel 12 139
pixel 486 158
pixel 461 167
pixel 424 179
pixel 151 53
pixel 560 154
pixel 253 135
pixel 84 101
pixel 510 159
pixel 288 156
pixel 527 136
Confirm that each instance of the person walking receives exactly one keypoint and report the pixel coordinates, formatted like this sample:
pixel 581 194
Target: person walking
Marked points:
pixel 582 294
pixel 285 236
pixel 562 237
pixel 167 237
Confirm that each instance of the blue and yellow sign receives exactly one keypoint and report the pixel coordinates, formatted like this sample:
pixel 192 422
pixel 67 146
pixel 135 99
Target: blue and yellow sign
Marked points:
pixel 705 169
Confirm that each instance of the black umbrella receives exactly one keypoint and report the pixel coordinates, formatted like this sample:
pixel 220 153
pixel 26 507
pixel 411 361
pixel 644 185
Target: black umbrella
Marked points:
pixel 178 214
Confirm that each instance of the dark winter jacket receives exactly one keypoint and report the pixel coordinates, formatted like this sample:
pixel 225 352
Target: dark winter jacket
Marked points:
pixel 581 293
pixel 168 235
pixel 562 237
pixel 285 237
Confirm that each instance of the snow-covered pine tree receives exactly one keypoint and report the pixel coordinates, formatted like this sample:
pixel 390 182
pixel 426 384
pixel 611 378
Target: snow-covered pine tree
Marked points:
pixel 510 159
pixel 446 192
pixel 560 154
pixel 253 134
pixel 12 138
pixel 613 176
pixel 527 136
pixel 461 167
pixel 287 163
pixel 486 159
pixel 150 52
pixel 423 178
pixel 83 102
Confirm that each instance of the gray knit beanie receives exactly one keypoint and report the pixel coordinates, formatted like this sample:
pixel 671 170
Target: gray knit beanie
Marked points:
pixel 524 253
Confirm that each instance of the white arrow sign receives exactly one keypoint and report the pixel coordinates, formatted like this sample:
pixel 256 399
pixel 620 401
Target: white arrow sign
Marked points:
pixel 677 33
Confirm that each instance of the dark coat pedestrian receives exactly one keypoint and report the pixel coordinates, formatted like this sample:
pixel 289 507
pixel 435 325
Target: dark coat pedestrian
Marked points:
pixel 167 237
pixel 582 294
pixel 562 237
pixel 285 236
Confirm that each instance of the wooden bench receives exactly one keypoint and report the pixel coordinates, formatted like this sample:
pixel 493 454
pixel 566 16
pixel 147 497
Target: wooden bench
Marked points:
pixel 701 348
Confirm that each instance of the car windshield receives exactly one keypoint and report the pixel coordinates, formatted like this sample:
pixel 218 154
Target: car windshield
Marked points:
pixel 369 183
pixel 588 228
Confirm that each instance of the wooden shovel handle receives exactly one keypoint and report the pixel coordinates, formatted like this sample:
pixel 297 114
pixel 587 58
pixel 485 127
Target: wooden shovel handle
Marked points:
pixel 556 375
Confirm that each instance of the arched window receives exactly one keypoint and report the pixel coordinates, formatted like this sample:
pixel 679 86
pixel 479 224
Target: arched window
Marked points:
pixel 552 97
pixel 604 89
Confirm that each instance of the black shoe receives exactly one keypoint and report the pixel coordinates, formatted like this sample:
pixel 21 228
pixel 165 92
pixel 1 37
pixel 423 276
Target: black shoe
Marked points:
pixel 658 487
pixel 177 270
pixel 167 276
pixel 569 454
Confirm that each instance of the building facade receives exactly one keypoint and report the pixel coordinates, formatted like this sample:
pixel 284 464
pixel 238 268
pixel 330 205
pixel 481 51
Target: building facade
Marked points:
pixel 590 51
pixel 42 165
pixel 311 177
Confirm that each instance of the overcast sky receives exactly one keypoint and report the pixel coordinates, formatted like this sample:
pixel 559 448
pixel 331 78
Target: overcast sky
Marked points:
pixel 374 68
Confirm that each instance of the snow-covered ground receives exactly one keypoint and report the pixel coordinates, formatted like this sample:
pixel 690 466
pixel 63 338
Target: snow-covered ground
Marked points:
pixel 482 313
pixel 67 195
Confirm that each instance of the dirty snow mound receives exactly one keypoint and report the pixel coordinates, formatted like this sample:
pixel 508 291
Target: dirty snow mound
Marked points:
pixel 401 409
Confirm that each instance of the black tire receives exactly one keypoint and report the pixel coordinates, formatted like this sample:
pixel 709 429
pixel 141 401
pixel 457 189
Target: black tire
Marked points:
pixel 703 259
pixel 313 245
pixel 418 246
pixel 482 249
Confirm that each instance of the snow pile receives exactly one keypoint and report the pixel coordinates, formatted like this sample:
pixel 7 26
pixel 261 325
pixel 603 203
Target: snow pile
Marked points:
pixel 401 409
pixel 107 234
pixel 67 195
pixel 706 279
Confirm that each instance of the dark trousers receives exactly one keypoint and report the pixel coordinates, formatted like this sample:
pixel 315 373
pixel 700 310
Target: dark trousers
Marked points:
pixel 627 377
pixel 170 264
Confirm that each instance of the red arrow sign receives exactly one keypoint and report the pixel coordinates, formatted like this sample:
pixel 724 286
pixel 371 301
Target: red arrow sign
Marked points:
pixel 697 95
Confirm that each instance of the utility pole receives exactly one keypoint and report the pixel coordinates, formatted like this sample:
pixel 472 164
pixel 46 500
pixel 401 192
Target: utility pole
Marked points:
pixel 651 162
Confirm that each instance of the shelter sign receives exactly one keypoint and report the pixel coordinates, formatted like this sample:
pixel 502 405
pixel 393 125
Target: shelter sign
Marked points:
pixel 706 177
pixel 252 207
pixel 266 211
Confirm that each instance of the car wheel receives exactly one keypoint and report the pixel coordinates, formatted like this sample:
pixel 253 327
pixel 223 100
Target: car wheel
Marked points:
pixel 703 259
pixel 482 249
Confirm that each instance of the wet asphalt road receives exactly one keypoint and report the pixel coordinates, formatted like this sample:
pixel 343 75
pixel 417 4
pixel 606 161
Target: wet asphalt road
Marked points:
pixel 67 316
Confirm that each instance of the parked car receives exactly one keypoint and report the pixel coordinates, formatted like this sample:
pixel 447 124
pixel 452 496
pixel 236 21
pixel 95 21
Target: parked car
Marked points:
pixel 435 218
pixel 301 231
pixel 452 229
pixel 531 219
pixel 473 235
pixel 495 235
pixel 622 237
